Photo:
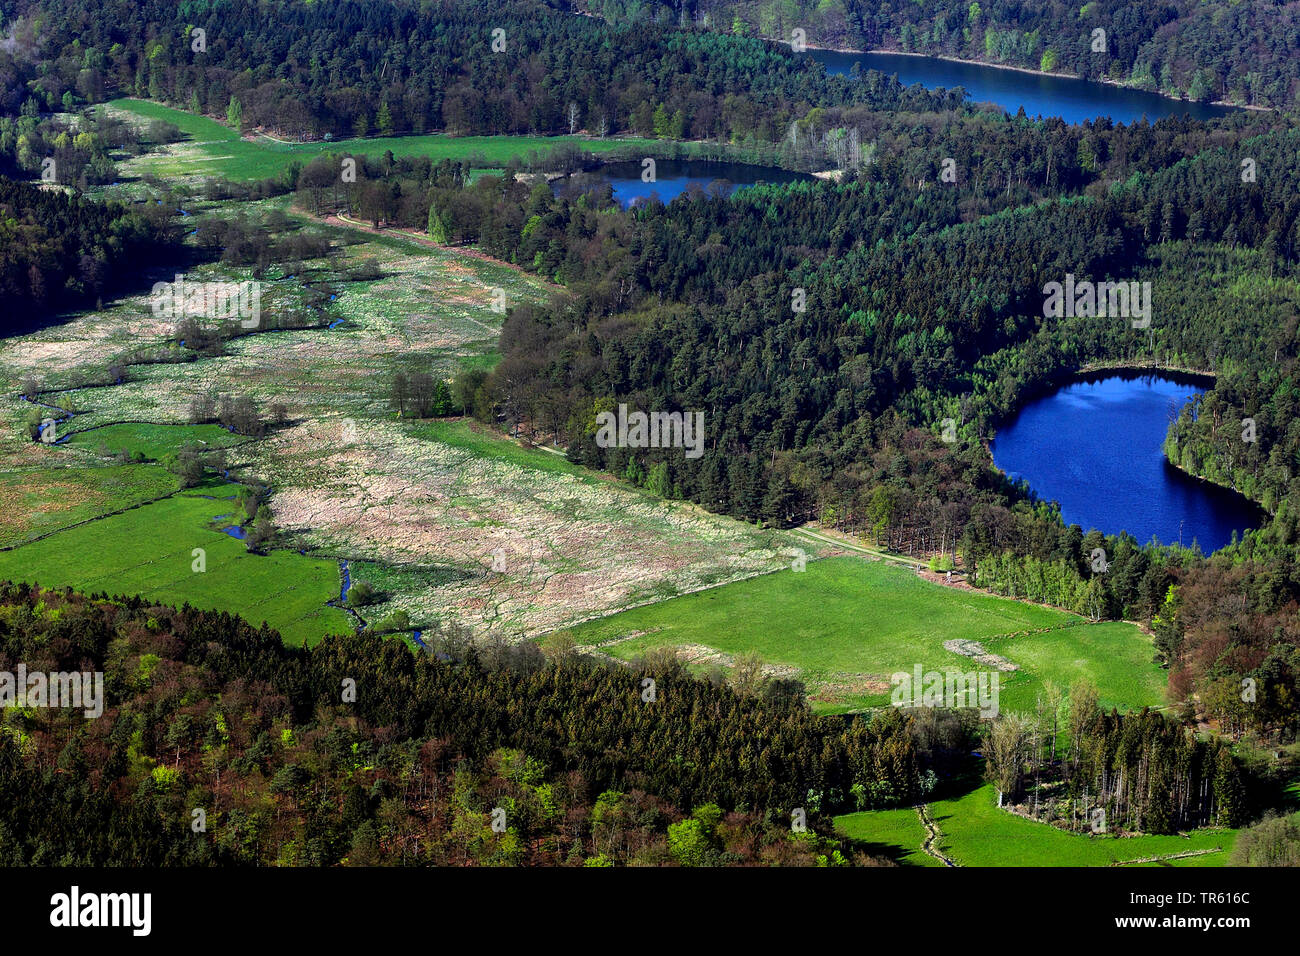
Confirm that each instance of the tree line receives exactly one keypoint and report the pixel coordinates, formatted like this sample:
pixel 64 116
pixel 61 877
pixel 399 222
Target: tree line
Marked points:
pixel 358 69
pixel 1074 765
pixel 60 251
pixel 359 751
pixel 1185 48
pixel 204 711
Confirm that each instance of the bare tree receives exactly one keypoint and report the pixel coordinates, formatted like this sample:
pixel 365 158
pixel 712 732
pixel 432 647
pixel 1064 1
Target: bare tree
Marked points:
pixel 1007 748
pixel 747 674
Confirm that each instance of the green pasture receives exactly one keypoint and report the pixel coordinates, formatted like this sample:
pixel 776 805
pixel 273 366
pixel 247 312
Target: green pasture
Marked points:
pixel 213 149
pixel 894 834
pixel 844 620
pixel 149 551
pixel 977 833
pixel 152 441
pixel 39 501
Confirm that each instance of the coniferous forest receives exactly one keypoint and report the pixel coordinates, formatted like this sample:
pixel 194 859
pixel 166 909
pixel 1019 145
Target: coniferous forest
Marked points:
pixel 1197 50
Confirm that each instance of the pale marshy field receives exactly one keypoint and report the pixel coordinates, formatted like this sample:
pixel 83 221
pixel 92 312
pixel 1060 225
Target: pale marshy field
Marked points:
pixel 422 506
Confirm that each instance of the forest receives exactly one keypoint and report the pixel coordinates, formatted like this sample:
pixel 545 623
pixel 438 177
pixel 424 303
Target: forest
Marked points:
pixel 359 751
pixel 1194 49
pixel 59 251
pixel 1136 772
pixel 312 71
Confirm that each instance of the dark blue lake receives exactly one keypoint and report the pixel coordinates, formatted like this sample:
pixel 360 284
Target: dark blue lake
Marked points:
pixel 1095 447
pixel 673 177
pixel 1041 94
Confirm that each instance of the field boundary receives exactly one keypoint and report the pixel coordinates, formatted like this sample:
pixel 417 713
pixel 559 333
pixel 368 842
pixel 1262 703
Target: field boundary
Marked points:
pixel 825 539
pixel 1169 856
pixel 86 521
pixel 932 835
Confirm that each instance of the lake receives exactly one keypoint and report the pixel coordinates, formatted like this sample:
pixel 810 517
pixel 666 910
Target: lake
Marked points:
pixel 1095 447
pixel 673 177
pixel 1041 94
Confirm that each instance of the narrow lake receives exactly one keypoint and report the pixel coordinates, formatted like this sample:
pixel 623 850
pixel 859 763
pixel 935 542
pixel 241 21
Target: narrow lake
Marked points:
pixel 673 177
pixel 1041 94
pixel 1095 447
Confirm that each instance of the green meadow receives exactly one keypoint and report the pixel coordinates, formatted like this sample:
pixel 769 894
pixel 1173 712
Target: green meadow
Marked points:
pixel 154 442
pixel 977 833
pixel 149 550
pixel 1114 655
pixel 213 149
pixel 464 434
pixel 846 620
pixel 974 832
pixel 894 834
pixel 39 501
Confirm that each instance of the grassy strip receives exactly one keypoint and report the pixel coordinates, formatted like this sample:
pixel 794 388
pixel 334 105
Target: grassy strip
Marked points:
pixel 40 502
pixel 216 150
pixel 152 441
pixel 977 833
pixel 894 834
pixel 150 551
pixel 844 620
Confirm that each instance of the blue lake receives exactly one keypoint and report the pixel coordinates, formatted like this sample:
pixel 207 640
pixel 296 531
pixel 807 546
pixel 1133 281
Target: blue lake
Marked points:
pixel 1095 447
pixel 674 177
pixel 1041 94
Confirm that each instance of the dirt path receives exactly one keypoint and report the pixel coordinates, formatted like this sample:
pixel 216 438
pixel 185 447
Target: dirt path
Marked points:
pixel 418 239
pixel 822 537
pixel 932 835
pixel 1171 856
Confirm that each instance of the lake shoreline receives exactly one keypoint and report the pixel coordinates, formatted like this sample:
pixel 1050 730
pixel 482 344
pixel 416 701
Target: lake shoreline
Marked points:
pixel 1095 372
pixel 1098 446
pixel 1201 480
pixel 1194 376
pixel 1025 69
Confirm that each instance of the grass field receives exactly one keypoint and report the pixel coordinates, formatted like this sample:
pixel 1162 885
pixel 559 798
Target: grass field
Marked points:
pixel 845 625
pixel 466 435
pixel 155 442
pixel 894 834
pixel 213 149
pixel 1114 655
pixel 149 551
pixel 38 501
pixel 976 833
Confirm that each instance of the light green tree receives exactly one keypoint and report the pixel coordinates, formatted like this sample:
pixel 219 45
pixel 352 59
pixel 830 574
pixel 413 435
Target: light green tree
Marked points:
pixel 662 122
pixel 688 843
pixel 437 228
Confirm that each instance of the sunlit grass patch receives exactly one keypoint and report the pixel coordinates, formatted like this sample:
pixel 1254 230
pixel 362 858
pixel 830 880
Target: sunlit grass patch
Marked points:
pixel 154 442
pixel 895 834
pixel 214 149
pixel 37 501
pixel 846 625
pixel 977 833
pixel 150 550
